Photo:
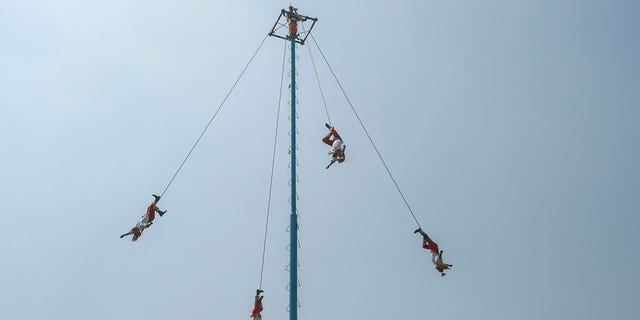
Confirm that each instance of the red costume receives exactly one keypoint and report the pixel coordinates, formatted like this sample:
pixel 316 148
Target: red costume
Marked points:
pixel 293 17
pixel 432 246
pixel 327 139
pixel 293 26
pixel 257 308
pixel 151 211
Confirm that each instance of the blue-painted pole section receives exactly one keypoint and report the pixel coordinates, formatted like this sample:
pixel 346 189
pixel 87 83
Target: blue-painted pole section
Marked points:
pixel 293 246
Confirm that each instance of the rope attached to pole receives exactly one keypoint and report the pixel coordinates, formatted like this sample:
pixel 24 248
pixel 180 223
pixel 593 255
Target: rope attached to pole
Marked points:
pixel 273 161
pixel 367 133
pixel 212 118
pixel 324 101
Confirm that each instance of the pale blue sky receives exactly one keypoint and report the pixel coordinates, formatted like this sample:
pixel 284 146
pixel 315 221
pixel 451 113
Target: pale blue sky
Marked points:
pixel 511 127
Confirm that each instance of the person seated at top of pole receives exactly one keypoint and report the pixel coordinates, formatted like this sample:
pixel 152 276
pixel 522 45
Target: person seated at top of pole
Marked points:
pixel 334 140
pixel 293 17
pixel 436 256
pixel 146 220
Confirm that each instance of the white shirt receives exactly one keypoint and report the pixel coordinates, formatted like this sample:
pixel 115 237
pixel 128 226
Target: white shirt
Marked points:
pixel 143 222
pixel 337 144
pixel 437 260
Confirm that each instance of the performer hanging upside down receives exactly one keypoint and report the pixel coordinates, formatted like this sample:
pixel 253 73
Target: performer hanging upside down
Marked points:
pixel 436 256
pixel 146 220
pixel 257 305
pixel 334 140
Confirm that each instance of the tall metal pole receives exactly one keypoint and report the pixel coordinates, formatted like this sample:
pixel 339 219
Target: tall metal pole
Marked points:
pixel 293 228
pixel 292 17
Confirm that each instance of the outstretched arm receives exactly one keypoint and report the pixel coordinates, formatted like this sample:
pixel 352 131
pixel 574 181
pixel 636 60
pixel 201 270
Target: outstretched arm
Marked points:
pixel 330 163
pixel 126 234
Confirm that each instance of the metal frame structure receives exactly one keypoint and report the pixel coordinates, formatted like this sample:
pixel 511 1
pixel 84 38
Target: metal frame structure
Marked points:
pixel 299 37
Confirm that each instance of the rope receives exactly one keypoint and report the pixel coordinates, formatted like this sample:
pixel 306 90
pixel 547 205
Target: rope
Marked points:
pixel 324 101
pixel 212 117
pixel 367 133
pixel 273 161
